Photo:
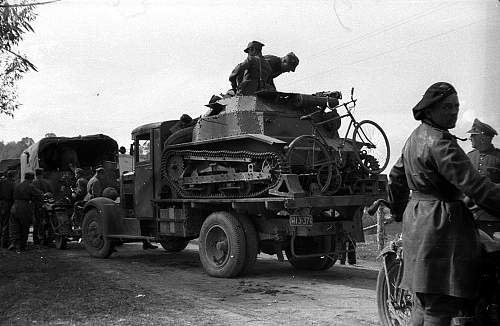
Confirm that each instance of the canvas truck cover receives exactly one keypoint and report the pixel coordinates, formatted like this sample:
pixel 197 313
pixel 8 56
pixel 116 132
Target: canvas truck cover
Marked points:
pixel 67 153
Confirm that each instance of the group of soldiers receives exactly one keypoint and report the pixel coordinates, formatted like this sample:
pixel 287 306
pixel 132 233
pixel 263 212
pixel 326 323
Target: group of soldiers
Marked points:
pixel 21 203
pixel 258 71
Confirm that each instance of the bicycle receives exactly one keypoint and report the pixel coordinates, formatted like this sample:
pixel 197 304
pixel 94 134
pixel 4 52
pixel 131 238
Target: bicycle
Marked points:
pixel 368 142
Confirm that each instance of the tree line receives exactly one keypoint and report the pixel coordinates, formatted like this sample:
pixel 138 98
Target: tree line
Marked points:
pixel 13 149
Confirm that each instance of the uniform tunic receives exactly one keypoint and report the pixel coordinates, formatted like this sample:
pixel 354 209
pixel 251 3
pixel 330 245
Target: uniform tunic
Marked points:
pixel 22 212
pixel 487 162
pixel 251 75
pixel 440 240
pixel 94 188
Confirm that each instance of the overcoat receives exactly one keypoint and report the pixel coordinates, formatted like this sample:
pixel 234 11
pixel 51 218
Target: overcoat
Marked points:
pixel 440 240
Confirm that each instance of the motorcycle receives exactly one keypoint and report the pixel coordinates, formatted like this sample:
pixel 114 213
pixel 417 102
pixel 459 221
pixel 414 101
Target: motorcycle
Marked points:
pixel 394 303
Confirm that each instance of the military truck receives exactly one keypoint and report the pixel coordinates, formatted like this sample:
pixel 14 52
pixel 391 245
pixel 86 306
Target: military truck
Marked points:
pixel 59 157
pixel 258 173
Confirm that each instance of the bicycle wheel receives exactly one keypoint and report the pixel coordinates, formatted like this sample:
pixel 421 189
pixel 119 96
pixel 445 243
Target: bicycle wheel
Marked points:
pixel 309 158
pixel 393 303
pixel 373 146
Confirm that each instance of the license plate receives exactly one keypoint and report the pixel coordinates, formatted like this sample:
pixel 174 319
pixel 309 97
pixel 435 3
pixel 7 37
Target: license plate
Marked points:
pixel 301 220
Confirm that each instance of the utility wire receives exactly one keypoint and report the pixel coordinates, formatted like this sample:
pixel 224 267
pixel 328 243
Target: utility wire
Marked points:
pixel 349 43
pixel 392 50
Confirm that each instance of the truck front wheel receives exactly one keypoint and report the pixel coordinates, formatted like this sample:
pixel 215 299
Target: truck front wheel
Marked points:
pixel 94 241
pixel 222 246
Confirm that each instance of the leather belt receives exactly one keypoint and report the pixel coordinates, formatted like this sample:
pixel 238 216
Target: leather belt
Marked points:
pixel 417 195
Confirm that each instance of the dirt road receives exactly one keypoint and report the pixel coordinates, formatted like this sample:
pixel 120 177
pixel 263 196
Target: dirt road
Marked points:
pixel 137 287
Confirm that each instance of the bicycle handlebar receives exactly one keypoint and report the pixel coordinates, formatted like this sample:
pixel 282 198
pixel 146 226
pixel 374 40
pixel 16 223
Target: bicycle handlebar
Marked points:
pixel 376 204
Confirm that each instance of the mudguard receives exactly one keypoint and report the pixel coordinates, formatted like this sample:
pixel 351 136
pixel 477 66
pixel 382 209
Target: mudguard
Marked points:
pixel 110 212
pixel 390 249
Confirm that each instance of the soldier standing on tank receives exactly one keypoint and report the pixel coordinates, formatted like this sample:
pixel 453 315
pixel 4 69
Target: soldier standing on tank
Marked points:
pixel 44 186
pixel 6 194
pixel 280 65
pixel 25 193
pixel 486 159
pixel 253 74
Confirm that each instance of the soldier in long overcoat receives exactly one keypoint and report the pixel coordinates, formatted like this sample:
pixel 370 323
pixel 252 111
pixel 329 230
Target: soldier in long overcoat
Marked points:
pixel 440 240
pixel 25 193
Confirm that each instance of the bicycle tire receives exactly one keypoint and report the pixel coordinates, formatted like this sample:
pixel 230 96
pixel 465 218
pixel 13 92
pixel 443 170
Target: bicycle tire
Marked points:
pixel 324 184
pixel 378 139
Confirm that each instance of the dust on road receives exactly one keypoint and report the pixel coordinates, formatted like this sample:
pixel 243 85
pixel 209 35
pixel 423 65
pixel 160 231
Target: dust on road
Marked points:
pixel 137 287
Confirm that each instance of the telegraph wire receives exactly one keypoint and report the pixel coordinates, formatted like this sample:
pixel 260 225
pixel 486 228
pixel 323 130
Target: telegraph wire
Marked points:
pixel 389 27
pixel 391 50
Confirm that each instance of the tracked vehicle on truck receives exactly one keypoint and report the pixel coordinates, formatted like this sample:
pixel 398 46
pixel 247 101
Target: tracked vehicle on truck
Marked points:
pixel 256 173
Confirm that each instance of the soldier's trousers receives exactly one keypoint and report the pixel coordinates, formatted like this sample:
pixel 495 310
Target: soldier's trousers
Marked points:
pixel 37 223
pixel 5 206
pixel 21 216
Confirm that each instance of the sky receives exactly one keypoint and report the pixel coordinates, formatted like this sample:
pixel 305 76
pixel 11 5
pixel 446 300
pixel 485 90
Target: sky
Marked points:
pixel 108 66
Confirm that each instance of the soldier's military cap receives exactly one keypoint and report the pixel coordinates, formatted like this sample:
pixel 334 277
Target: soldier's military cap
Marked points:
pixel 99 169
pixel 293 59
pixel 482 128
pixel 435 93
pixel 252 44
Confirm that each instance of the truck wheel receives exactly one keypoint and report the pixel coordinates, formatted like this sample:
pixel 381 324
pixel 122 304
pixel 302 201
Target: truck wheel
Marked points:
pixel 174 244
pixel 251 244
pixel 319 263
pixel 222 246
pixel 94 241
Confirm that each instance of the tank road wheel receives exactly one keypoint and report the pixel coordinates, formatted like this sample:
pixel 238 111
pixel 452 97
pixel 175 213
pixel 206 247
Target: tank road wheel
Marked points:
pixel 372 141
pixel 394 308
pixel 222 246
pixel 174 244
pixel 93 237
pixel 251 244
pixel 309 158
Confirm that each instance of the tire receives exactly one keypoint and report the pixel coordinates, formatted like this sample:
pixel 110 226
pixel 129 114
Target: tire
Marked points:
pixel 222 247
pixel 251 244
pixel 307 155
pixel 375 152
pixel 399 314
pixel 174 244
pixel 94 241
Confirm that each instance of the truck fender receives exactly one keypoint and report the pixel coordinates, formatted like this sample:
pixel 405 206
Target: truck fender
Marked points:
pixel 110 212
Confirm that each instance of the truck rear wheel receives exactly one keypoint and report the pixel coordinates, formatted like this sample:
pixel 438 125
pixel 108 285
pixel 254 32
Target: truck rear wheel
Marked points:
pixel 222 246
pixel 94 241
pixel 174 244
pixel 251 244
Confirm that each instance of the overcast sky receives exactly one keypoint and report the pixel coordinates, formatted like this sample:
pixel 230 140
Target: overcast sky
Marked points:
pixel 110 66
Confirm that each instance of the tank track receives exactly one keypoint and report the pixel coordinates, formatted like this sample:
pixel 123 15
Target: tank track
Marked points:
pixel 176 158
